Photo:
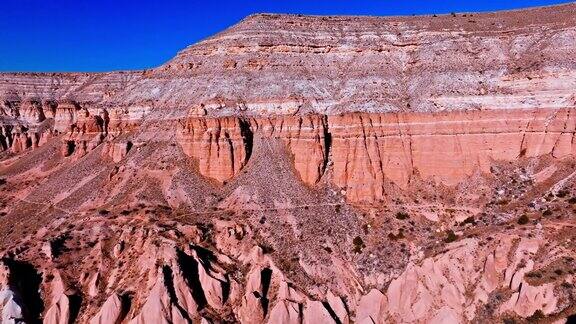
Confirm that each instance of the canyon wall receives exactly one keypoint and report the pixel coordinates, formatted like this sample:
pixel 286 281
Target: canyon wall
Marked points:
pixel 80 127
pixel 445 147
pixel 362 151
pixel 366 150
pixel 368 99
pixel 295 169
pixel 221 146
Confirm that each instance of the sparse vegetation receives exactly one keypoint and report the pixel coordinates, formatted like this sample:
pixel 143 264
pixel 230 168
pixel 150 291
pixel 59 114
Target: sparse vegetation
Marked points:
pixel 547 212
pixel 398 236
pixel 266 249
pixel 468 220
pixel 559 272
pixel 536 317
pixel 509 321
pixel 450 236
pixel 358 244
pixel 103 212
pixel 534 274
pixel 523 152
pixel 402 215
pixel 523 220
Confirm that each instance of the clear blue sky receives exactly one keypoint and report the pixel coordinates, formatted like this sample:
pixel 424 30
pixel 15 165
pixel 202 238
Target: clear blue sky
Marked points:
pixel 102 35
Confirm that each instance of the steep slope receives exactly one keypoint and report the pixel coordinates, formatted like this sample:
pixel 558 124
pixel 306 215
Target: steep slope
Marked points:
pixel 301 169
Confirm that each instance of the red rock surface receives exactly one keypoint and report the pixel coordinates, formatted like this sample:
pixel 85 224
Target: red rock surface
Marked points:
pixel 295 169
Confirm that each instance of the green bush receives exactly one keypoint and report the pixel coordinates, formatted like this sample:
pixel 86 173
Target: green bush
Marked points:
pixel 450 236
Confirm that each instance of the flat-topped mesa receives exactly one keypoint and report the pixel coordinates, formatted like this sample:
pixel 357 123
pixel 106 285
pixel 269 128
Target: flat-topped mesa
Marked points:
pixel 376 64
pixel 273 64
pixel 391 88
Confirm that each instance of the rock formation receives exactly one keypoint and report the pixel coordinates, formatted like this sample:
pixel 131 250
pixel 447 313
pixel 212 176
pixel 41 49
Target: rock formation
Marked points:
pixel 296 169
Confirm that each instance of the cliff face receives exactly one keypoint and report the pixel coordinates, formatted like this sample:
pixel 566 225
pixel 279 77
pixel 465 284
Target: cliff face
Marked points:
pixel 295 169
pixel 221 146
pixel 365 151
pixel 447 147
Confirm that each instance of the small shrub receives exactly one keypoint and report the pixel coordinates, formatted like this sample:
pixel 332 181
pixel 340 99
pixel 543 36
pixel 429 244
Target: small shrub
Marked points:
pixel 468 220
pixel 266 249
pixel 572 200
pixel 337 208
pixel 547 212
pixel 559 272
pixel 398 236
pixel 402 215
pixel 523 220
pixel 358 244
pixel 450 236
pixel 534 274
pixel 103 212
pixel 523 152
pixel 567 285
pixel 537 316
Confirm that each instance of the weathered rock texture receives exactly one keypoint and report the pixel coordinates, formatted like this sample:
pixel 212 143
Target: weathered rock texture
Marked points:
pixel 367 150
pixel 295 169
pixel 448 147
pixel 221 146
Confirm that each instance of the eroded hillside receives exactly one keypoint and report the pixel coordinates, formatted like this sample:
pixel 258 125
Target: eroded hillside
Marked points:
pixel 301 169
